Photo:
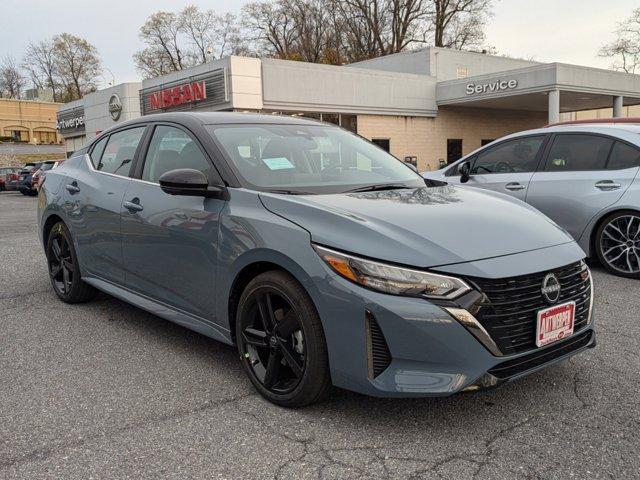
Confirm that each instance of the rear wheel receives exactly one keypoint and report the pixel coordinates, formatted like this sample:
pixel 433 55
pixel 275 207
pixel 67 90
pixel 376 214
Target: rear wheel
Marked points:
pixel 618 244
pixel 64 271
pixel 281 341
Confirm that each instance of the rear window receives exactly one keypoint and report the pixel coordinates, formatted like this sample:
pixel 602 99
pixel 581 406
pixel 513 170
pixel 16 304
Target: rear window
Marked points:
pixel 577 152
pixel 623 156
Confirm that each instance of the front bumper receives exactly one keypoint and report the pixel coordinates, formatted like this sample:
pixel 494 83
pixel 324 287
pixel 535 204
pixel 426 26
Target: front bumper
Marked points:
pixel 430 353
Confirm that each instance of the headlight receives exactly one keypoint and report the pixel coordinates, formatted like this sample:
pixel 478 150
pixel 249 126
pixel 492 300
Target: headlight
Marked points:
pixel 391 279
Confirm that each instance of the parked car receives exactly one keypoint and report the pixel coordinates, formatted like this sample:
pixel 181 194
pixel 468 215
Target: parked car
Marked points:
pixel 24 184
pixel 322 258
pixel 584 176
pixel 7 175
pixel 38 177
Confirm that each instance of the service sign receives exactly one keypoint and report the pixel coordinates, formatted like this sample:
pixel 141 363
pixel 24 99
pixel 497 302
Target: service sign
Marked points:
pixel 178 95
pixel 490 87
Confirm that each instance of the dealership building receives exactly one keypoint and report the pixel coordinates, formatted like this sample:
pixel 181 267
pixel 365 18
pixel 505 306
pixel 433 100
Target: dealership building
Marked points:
pixel 428 106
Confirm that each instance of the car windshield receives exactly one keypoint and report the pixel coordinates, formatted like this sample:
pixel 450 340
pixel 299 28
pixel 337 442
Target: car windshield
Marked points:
pixel 47 166
pixel 309 159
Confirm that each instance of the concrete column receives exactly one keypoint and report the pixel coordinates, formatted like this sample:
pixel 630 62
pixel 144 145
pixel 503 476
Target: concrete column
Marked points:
pixel 554 106
pixel 617 106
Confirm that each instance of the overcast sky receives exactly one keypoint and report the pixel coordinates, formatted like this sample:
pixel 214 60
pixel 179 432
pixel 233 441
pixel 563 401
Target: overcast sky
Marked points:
pixel 569 31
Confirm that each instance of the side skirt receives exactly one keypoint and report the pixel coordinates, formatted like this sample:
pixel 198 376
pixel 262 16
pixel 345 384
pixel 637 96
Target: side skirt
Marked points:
pixel 162 310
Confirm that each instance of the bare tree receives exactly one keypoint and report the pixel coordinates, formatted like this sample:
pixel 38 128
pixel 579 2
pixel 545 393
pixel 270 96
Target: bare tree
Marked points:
pixel 625 49
pixel 271 27
pixel 39 61
pixel 190 37
pixel 459 23
pixel 12 82
pixel 77 65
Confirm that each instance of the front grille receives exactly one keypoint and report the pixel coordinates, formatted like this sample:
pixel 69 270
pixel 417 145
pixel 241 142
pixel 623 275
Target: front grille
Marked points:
pixel 510 368
pixel 377 348
pixel 509 312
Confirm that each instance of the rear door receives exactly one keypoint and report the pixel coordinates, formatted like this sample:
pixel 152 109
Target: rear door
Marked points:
pixel 170 242
pixel 582 174
pixel 93 197
pixel 508 166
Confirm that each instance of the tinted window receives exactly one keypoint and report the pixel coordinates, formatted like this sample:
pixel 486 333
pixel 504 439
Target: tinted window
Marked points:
pixel 119 151
pixel 96 153
pixel 623 156
pixel 172 148
pixel 512 156
pixel 578 152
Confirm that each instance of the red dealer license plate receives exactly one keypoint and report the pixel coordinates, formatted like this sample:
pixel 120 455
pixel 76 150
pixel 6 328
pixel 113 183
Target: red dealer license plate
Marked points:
pixel 555 323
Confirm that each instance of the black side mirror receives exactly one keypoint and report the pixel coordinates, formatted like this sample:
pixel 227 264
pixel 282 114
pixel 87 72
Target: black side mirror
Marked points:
pixel 465 172
pixel 189 182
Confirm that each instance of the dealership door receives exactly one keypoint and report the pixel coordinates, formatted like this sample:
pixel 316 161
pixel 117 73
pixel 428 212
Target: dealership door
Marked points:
pixel 454 150
pixel 508 166
pixel 170 242
pixel 582 175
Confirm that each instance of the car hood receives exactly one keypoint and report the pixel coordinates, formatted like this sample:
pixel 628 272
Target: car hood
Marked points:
pixel 422 227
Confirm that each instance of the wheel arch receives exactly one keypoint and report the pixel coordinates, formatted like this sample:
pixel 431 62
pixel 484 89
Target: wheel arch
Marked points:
pixel 48 224
pixel 254 263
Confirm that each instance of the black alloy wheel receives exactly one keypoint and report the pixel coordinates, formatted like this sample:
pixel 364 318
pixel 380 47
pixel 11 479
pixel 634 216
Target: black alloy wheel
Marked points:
pixel 618 244
pixel 280 340
pixel 64 271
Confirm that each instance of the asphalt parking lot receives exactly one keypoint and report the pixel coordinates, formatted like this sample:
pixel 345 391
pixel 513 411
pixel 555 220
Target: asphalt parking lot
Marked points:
pixel 105 390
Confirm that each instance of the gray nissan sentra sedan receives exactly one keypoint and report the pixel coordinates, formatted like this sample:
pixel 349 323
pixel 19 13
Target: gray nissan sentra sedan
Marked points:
pixel 322 258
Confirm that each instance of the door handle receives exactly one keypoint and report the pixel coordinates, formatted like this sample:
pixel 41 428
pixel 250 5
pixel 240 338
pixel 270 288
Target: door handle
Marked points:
pixel 607 185
pixel 72 188
pixel 132 206
pixel 514 186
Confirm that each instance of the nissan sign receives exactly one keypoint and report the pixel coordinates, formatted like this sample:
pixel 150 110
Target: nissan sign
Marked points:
pixel 115 107
pixel 496 86
pixel 178 95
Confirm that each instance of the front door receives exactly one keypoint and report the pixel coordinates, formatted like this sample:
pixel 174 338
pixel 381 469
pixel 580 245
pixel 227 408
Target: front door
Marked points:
pixel 582 175
pixel 170 242
pixel 93 200
pixel 508 166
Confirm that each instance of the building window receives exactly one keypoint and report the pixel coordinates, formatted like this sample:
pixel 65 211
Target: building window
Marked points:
pixel 383 143
pixel 331 118
pixel 454 149
pixel 486 141
pixel 349 122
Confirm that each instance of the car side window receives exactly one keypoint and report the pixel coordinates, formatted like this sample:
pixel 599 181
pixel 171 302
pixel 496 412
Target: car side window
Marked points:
pixel 172 148
pixel 623 156
pixel 119 151
pixel 97 151
pixel 578 152
pixel 513 156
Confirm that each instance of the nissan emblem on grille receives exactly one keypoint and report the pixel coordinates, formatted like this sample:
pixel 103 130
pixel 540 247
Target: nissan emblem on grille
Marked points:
pixel 551 288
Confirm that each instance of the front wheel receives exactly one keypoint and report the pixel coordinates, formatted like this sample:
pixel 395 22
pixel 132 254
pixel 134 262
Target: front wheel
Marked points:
pixel 64 270
pixel 281 341
pixel 617 244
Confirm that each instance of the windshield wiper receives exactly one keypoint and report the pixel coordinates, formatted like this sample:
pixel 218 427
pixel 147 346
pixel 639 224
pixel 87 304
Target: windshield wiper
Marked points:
pixel 385 186
pixel 288 192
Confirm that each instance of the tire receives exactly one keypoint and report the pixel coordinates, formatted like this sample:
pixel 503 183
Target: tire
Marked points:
pixel 617 243
pixel 24 192
pixel 295 337
pixel 63 267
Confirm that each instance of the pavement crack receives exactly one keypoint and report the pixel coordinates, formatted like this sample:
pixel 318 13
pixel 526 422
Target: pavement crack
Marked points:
pixel 46 452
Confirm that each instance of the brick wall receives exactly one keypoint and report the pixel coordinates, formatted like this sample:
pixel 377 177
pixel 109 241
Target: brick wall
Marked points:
pixel 426 138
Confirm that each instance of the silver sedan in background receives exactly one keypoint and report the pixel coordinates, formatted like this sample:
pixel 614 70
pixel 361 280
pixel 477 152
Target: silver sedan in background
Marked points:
pixel 583 175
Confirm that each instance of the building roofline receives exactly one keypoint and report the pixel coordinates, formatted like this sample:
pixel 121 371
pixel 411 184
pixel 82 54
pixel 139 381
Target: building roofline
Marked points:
pixel 30 101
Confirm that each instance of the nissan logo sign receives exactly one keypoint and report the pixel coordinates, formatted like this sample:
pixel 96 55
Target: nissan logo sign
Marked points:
pixel 550 288
pixel 115 107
